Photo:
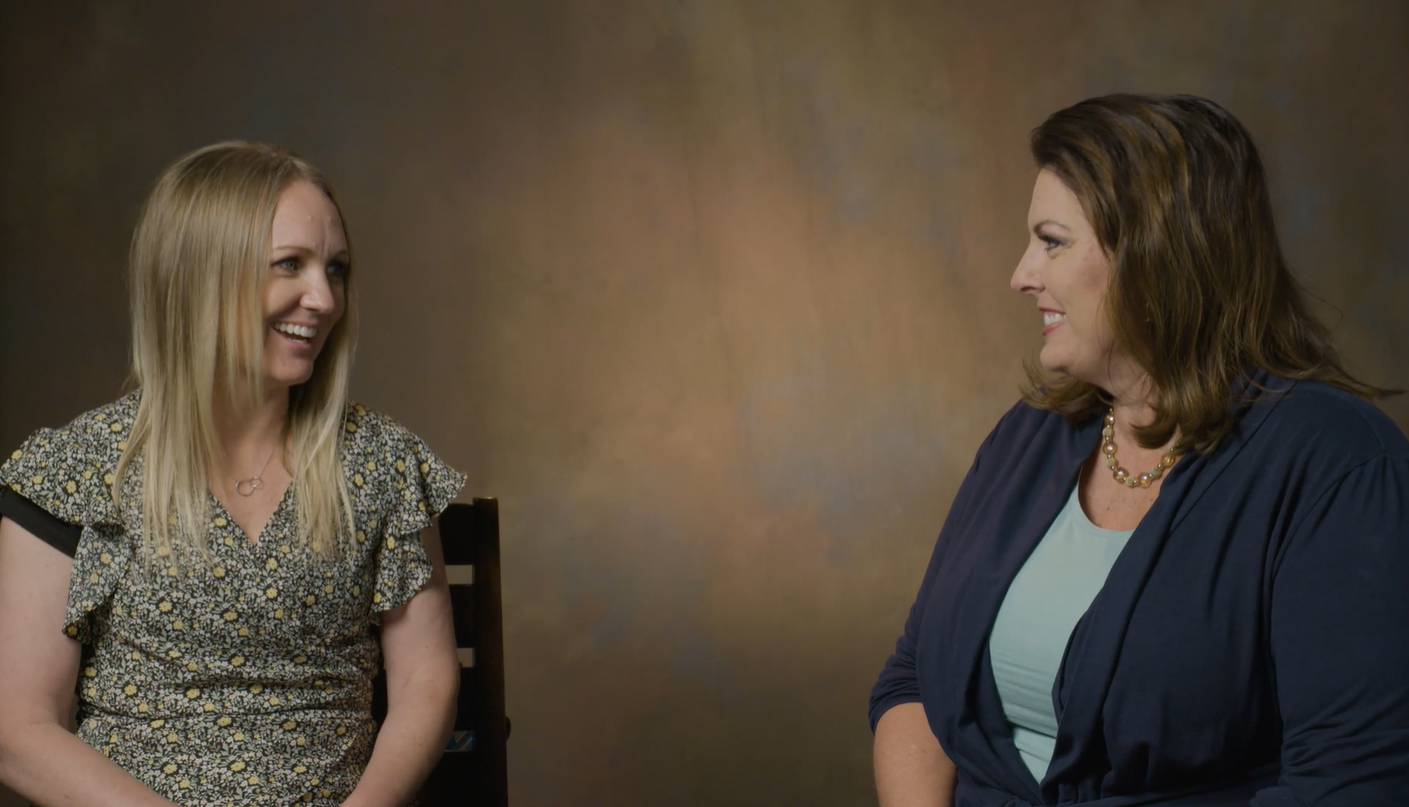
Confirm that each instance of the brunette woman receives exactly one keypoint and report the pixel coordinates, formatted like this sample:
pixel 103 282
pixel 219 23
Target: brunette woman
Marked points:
pixel 1176 572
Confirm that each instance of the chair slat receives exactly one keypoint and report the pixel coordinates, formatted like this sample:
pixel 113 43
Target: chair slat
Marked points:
pixel 461 574
pixel 466 655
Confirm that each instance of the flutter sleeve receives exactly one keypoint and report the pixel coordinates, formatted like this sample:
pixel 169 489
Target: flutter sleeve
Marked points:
pixel 57 485
pixel 422 485
pixel 61 535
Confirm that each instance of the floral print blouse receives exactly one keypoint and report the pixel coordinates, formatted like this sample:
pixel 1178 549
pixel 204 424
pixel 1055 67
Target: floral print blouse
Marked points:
pixel 245 680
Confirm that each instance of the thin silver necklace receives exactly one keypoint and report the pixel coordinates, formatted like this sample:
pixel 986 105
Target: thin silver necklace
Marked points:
pixel 247 487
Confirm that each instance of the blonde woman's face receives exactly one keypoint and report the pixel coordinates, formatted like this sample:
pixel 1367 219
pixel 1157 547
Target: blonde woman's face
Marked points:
pixel 304 294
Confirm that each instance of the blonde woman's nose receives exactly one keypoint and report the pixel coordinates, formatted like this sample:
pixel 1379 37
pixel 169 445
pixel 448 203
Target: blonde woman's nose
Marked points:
pixel 318 294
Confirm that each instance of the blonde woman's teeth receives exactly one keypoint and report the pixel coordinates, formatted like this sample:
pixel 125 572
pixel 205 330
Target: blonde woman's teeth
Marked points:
pixel 300 331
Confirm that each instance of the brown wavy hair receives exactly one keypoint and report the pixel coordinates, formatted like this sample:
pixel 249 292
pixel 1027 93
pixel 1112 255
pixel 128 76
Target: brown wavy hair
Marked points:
pixel 1200 294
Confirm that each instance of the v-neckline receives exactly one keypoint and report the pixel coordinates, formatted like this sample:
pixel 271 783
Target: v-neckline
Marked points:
pixel 1092 650
pixel 258 539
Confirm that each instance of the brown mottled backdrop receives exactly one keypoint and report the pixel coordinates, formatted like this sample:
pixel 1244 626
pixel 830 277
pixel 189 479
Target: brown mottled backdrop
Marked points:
pixel 711 293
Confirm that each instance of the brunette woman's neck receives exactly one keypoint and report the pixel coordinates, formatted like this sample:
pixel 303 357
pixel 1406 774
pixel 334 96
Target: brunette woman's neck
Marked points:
pixel 1131 403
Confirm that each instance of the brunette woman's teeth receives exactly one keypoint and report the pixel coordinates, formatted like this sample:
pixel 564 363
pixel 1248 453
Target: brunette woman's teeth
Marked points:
pixel 1051 318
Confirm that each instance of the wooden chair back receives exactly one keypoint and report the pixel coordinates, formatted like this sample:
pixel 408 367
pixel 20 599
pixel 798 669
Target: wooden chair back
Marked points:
pixel 473 770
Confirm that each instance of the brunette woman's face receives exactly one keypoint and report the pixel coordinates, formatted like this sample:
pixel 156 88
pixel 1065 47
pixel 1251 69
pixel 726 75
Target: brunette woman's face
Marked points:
pixel 304 294
pixel 1066 272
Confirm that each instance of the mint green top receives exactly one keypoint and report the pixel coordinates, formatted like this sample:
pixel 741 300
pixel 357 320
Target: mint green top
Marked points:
pixel 1051 592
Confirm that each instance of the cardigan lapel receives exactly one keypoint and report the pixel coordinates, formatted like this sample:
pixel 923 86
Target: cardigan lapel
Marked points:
pixel 1009 539
pixel 1079 760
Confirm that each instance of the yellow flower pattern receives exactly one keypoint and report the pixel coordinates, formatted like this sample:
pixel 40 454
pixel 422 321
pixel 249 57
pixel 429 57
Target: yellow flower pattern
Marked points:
pixel 244 681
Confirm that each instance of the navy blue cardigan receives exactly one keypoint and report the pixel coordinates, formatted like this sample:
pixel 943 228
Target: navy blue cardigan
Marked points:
pixel 1250 646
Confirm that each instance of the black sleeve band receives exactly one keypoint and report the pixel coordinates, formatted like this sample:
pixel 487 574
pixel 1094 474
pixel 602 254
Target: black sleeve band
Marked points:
pixel 59 534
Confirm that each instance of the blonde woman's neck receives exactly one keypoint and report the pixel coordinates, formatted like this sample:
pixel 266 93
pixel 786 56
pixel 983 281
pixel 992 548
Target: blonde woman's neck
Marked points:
pixel 248 433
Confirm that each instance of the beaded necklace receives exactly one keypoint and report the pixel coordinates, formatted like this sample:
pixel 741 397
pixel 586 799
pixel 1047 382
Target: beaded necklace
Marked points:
pixel 1121 475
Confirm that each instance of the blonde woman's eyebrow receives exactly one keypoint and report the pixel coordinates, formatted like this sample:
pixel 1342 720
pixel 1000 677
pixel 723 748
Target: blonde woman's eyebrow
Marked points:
pixel 341 255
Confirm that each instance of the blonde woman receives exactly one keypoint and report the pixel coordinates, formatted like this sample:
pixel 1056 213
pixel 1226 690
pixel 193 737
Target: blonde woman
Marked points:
pixel 223 558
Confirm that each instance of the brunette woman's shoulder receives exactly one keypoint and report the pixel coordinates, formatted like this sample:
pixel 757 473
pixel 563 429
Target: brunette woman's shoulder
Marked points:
pixel 1323 419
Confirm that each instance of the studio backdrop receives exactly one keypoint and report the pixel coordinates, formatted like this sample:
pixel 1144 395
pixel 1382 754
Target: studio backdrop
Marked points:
pixel 711 294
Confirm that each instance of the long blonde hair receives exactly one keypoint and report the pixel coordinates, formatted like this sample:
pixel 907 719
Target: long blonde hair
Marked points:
pixel 197 267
